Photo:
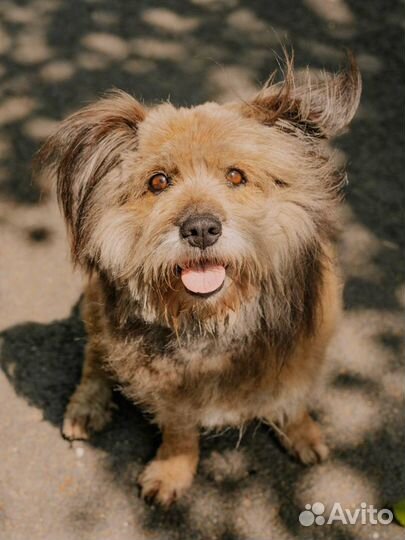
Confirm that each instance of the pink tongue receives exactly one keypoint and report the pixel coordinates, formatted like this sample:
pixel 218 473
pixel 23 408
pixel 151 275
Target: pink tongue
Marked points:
pixel 203 279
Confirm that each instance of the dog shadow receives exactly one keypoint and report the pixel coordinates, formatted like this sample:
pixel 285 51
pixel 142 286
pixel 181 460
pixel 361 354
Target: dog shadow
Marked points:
pixel 43 362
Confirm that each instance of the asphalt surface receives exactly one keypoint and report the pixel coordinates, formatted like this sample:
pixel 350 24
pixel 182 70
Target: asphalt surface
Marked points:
pixel 56 55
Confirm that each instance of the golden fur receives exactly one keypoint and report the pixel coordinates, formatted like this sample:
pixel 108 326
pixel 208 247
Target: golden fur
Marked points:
pixel 255 348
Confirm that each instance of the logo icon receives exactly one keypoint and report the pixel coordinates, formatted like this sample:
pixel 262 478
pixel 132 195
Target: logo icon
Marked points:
pixel 312 514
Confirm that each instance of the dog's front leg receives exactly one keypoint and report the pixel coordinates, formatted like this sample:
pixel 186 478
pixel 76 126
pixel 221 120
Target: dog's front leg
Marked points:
pixel 90 407
pixel 172 471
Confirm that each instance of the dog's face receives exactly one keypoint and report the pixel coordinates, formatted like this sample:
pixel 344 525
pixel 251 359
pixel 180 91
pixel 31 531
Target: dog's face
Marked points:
pixel 201 210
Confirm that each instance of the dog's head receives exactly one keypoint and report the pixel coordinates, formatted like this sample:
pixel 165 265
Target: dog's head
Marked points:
pixel 199 211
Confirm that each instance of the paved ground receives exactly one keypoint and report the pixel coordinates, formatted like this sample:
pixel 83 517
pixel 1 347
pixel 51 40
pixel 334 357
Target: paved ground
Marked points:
pixel 56 55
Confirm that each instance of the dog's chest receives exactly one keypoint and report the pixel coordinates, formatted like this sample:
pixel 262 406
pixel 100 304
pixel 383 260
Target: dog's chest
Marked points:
pixel 220 381
pixel 229 386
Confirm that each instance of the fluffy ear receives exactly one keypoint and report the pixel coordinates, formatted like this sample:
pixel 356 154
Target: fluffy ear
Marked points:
pixel 320 106
pixel 85 149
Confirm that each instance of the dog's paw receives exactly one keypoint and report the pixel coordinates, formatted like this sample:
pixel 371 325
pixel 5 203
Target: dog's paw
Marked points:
pixel 305 441
pixel 165 480
pixel 84 417
pixel 310 451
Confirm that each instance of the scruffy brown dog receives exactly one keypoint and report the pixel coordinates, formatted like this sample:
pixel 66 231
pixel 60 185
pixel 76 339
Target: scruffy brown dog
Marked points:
pixel 208 237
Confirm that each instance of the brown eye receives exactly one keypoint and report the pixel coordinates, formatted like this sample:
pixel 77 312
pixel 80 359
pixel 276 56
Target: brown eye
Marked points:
pixel 235 177
pixel 158 182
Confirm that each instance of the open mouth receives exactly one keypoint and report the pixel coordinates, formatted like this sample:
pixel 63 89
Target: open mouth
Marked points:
pixel 203 279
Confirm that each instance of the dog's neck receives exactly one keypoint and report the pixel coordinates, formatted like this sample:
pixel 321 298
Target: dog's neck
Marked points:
pixel 129 315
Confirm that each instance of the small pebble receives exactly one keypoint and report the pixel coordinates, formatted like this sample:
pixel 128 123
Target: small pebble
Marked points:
pixel 79 451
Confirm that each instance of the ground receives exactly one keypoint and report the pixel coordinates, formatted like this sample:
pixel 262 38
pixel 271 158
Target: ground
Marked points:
pixel 56 55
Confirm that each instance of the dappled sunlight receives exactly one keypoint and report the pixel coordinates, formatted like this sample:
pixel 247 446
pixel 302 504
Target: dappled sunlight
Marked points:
pixel 369 63
pixel 105 18
pixel 15 13
pixel 5 41
pixel 159 49
pixel 92 61
pixel 327 53
pixel 138 67
pixel 167 19
pixel 245 20
pixel 357 349
pixel 351 415
pixel 57 71
pixel 257 517
pixel 394 388
pixel 31 48
pixel 18 14
pixel 16 108
pixel 38 128
pixel 337 11
pixel 215 4
pixel 338 17
pixel 36 245
pixel 109 45
pixel 231 83
pixel 57 55
pixel 208 511
pixel 336 482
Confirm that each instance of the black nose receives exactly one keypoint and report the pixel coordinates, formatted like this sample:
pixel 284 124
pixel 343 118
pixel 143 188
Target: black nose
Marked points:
pixel 201 231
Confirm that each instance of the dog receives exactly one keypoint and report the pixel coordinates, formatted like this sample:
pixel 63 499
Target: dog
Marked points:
pixel 208 235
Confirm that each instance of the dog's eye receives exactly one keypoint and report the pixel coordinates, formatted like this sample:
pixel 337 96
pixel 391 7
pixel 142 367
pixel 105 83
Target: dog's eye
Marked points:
pixel 158 182
pixel 235 177
pixel 280 183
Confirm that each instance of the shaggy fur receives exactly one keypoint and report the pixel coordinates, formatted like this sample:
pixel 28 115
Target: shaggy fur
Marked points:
pixel 255 348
